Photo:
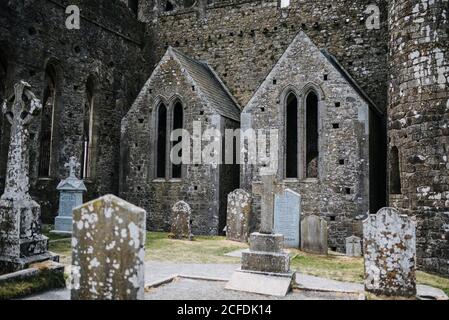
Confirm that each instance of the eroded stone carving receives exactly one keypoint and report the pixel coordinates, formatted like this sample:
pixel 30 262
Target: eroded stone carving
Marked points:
pixel 239 213
pixel 108 254
pixel 180 221
pixel 21 241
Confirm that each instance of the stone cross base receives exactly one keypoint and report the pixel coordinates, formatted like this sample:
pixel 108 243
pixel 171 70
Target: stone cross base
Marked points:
pixel 21 242
pixel 265 268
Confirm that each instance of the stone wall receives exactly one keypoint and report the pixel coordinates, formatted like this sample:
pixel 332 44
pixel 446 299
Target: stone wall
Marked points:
pixel 109 48
pixel 202 186
pixel 340 193
pixel 418 123
pixel 242 40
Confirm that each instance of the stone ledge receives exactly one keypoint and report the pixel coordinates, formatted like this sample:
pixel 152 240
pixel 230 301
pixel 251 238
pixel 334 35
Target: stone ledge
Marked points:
pixel 266 262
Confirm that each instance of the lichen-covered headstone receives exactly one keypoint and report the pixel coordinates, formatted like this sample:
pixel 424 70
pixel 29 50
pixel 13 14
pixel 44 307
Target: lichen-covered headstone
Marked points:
pixel 390 253
pixel 239 213
pixel 21 240
pixel 353 246
pixel 70 196
pixel 180 221
pixel 314 235
pixel 108 254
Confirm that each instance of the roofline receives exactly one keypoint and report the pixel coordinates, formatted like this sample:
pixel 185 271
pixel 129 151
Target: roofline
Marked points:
pixel 352 82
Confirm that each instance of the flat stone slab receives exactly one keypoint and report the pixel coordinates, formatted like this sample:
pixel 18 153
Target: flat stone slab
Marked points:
pixel 308 282
pixel 262 283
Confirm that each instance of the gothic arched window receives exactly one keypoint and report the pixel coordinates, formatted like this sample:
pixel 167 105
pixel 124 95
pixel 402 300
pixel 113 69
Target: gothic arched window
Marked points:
pixel 89 136
pixel 291 136
pixel 47 122
pixel 312 135
pixel 178 123
pixel 395 173
pixel 161 153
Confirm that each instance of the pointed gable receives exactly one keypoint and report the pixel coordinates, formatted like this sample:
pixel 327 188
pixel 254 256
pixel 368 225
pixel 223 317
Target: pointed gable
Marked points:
pixel 210 86
pixel 303 46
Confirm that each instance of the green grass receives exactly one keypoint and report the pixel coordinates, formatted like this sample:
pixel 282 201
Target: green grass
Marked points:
pixel 213 249
pixel 202 250
pixel 336 267
pixel 45 281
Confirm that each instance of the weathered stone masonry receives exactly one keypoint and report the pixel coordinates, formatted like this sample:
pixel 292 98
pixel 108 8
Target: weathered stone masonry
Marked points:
pixel 109 48
pixel 418 123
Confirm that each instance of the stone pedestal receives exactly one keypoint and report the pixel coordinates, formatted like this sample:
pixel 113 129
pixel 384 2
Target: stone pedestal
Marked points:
pixel 21 241
pixel 70 196
pixel 265 268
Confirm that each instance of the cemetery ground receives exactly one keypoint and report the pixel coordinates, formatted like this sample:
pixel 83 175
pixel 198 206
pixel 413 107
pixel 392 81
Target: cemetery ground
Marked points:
pixel 212 250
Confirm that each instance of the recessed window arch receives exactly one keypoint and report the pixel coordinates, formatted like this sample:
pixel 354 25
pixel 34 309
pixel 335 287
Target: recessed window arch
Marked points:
pixel 47 132
pixel 177 123
pixel 133 5
pixel 169 6
pixel 395 173
pixel 161 141
pixel 291 135
pixel 312 135
pixel 89 129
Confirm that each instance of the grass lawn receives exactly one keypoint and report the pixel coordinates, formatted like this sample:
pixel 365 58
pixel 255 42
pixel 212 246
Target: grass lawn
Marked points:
pixel 213 249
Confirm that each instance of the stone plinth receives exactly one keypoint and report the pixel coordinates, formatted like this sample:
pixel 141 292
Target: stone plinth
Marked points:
pixel 21 241
pixel 108 246
pixel 266 263
pixel 390 253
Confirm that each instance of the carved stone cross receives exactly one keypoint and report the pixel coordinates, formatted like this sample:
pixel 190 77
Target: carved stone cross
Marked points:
pixel 72 165
pixel 20 116
pixel 267 191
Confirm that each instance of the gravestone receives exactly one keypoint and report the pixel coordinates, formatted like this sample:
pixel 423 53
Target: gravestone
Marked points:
pixel 265 267
pixel 390 253
pixel 287 212
pixel 70 196
pixel 180 221
pixel 108 250
pixel 238 215
pixel 21 240
pixel 353 246
pixel 314 235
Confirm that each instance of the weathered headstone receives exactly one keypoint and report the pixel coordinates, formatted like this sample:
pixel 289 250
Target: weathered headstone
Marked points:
pixel 21 241
pixel 314 235
pixel 108 250
pixel 287 211
pixel 353 246
pixel 266 267
pixel 180 221
pixel 70 196
pixel 239 214
pixel 390 253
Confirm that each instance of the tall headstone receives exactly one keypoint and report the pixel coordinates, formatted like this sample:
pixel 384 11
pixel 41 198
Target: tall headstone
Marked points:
pixel 70 196
pixel 390 253
pixel 180 221
pixel 314 235
pixel 239 214
pixel 287 212
pixel 353 246
pixel 266 267
pixel 21 240
pixel 108 250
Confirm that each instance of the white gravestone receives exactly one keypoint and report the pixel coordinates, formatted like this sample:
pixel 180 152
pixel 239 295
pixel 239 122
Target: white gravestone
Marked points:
pixel 287 212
